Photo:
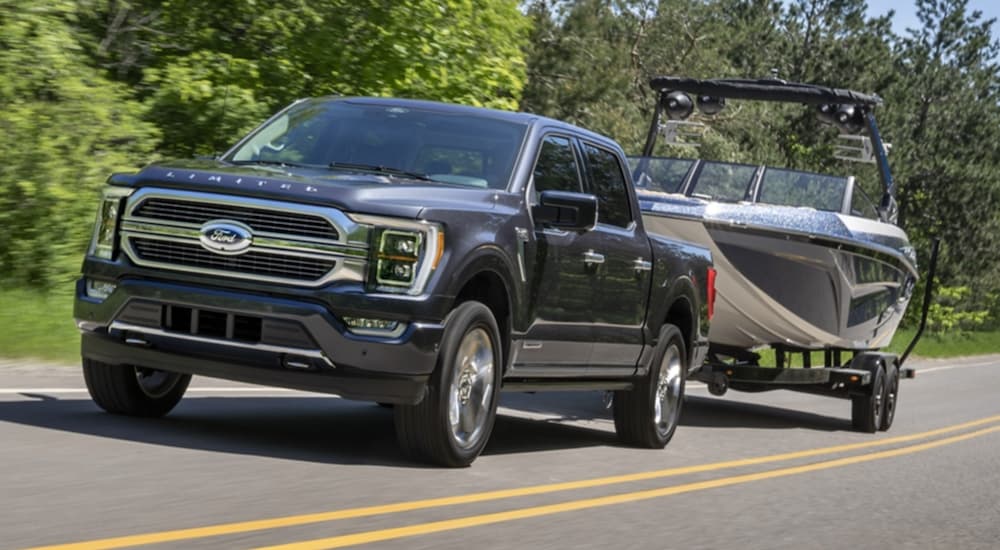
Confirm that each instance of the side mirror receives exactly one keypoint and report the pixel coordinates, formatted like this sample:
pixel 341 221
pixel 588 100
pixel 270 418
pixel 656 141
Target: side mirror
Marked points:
pixel 566 210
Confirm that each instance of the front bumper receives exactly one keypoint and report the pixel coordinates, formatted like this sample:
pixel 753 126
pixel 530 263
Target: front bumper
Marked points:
pixel 254 338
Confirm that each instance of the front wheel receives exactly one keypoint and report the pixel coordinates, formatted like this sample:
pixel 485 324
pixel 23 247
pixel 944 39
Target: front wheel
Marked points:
pixel 648 414
pixel 134 391
pixel 452 424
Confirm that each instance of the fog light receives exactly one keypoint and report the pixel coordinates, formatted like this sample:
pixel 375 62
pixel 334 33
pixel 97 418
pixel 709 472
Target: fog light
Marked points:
pixel 99 290
pixel 374 327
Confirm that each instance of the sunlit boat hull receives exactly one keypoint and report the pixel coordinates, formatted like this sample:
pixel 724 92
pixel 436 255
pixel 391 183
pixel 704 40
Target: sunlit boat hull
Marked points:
pixel 794 277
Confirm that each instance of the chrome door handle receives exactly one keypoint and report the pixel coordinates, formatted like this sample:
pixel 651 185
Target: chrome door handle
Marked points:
pixel 593 258
pixel 641 265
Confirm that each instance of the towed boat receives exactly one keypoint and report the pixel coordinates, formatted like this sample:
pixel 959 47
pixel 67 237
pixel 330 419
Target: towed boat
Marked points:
pixel 805 260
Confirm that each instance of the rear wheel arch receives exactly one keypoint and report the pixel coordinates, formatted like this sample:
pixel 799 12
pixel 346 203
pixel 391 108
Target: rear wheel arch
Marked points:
pixel 679 310
pixel 681 315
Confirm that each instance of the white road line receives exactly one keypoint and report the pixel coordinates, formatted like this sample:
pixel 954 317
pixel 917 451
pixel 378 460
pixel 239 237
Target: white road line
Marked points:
pixel 14 391
pixel 950 367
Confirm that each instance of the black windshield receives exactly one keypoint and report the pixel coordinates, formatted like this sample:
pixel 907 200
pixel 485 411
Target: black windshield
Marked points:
pixel 422 143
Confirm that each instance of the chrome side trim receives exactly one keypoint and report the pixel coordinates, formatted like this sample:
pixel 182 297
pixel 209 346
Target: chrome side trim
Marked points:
pixel 138 329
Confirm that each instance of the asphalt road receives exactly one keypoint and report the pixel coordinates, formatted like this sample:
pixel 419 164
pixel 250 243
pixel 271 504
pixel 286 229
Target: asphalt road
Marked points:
pixel 243 467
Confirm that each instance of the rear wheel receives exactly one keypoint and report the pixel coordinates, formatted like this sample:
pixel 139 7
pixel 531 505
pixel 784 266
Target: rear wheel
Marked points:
pixel 452 424
pixel 891 397
pixel 134 391
pixel 648 414
pixel 867 409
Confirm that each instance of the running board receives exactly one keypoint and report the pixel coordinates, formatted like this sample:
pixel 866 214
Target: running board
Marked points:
pixel 549 385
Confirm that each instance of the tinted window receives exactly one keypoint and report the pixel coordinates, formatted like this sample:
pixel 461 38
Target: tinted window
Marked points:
pixel 453 147
pixel 556 168
pixel 608 183
pixel 722 181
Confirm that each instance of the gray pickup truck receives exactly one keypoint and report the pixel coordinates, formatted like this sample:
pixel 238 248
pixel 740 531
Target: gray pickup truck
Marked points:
pixel 411 253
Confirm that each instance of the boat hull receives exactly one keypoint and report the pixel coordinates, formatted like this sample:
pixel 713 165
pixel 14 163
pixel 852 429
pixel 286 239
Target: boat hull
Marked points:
pixel 780 286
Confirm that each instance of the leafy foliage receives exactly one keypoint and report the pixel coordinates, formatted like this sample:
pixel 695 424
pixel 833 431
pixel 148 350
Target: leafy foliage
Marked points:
pixel 66 128
pixel 950 312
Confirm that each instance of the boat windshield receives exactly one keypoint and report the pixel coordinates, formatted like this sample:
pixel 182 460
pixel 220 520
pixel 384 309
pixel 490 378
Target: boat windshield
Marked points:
pixel 795 188
pixel 417 142
pixel 736 182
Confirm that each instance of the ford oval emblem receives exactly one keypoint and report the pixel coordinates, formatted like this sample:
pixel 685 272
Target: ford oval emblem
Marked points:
pixel 226 237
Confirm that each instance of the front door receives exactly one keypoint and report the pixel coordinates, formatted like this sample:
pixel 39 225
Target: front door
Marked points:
pixel 562 274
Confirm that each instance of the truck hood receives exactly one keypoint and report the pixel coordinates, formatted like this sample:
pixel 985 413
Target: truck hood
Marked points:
pixel 348 191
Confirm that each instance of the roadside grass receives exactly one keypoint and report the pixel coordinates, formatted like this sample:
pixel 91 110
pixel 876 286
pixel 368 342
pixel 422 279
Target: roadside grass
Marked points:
pixel 933 345
pixel 953 344
pixel 38 324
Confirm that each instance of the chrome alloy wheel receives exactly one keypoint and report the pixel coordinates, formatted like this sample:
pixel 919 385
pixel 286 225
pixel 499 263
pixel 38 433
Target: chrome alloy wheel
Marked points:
pixel 471 389
pixel 666 405
pixel 156 383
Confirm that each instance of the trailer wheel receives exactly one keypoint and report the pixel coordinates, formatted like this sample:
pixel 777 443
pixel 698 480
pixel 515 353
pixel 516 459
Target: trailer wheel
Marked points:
pixel 868 409
pixel 648 414
pixel 891 397
pixel 452 424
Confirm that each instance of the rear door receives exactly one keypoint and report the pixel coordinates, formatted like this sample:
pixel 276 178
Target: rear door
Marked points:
pixel 622 282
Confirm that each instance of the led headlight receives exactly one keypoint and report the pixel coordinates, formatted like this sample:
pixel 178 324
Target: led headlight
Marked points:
pixel 403 253
pixel 106 226
pixel 397 256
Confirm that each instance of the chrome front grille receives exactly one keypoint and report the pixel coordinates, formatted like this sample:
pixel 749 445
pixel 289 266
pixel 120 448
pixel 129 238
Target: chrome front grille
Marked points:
pixel 255 263
pixel 291 243
pixel 258 219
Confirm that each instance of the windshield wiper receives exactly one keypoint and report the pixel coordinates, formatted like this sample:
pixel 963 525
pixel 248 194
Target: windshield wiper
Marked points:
pixel 381 170
pixel 263 162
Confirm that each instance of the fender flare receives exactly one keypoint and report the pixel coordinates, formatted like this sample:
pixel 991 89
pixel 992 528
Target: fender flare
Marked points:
pixel 486 258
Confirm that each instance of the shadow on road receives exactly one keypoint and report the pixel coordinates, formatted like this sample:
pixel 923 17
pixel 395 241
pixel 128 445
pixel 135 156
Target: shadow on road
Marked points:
pixel 327 430
pixel 314 429
pixel 703 412
pixel 707 412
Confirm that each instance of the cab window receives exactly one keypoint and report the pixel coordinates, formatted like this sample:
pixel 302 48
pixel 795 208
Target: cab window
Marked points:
pixel 608 183
pixel 556 169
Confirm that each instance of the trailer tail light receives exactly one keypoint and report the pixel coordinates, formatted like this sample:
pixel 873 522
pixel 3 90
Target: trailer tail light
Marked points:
pixel 710 282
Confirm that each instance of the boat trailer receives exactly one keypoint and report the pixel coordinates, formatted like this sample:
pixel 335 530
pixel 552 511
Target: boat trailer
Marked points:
pixel 869 378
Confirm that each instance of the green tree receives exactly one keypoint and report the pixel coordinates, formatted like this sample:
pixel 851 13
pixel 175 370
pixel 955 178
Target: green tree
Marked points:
pixel 944 117
pixel 210 70
pixel 66 128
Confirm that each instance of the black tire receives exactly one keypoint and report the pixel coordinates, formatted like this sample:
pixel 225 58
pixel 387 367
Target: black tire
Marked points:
pixel 134 391
pixel 867 409
pixel 640 418
pixel 384 405
pixel 462 377
pixel 891 398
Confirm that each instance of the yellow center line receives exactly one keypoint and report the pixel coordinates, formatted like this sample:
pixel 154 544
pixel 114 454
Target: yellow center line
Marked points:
pixel 573 505
pixel 407 506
